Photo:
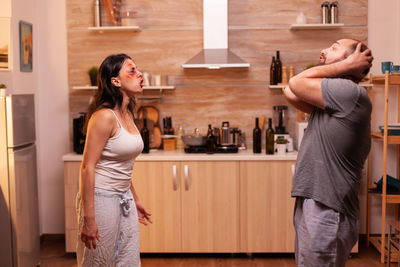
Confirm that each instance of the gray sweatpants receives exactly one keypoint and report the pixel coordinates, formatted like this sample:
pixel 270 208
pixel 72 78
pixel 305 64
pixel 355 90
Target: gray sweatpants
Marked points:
pixel 117 221
pixel 324 237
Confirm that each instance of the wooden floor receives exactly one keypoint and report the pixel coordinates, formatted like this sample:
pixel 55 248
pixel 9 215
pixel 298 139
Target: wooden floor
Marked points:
pixel 53 255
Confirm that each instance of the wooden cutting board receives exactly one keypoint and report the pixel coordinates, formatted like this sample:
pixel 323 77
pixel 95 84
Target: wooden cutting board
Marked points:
pixel 152 115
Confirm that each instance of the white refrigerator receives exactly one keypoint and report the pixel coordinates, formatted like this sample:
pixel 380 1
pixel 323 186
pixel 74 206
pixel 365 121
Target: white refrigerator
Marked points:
pixel 19 215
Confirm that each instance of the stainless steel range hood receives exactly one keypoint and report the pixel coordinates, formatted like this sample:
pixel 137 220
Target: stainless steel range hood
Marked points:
pixel 215 54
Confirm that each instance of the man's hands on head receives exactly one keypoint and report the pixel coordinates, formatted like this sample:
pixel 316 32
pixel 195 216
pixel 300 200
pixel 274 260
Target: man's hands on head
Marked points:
pixel 357 62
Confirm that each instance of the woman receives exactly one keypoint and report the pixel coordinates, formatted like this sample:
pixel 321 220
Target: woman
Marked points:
pixel 108 207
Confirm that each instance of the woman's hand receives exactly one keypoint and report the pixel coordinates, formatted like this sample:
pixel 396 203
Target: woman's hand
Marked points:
pixel 90 233
pixel 143 215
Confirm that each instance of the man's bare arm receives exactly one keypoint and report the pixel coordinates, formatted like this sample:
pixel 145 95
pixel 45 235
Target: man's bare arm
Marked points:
pixel 296 102
pixel 307 84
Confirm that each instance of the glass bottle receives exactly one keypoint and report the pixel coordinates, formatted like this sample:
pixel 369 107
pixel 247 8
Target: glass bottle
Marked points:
pixel 210 142
pixel 272 71
pixel 269 138
pixel 257 138
pixel 146 137
pixel 179 142
pixel 278 68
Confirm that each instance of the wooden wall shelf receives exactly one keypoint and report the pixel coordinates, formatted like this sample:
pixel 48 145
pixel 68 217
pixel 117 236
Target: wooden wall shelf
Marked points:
pixel 392 139
pixel 393 79
pixel 297 27
pixel 277 86
pixel 115 29
pixel 281 86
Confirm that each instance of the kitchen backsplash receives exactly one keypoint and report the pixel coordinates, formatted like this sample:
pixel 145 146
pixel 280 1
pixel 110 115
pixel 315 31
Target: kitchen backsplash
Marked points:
pixel 169 38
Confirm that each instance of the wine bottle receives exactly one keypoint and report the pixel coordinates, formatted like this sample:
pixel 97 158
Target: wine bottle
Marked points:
pixel 278 68
pixel 257 138
pixel 269 138
pixel 146 137
pixel 272 71
pixel 210 142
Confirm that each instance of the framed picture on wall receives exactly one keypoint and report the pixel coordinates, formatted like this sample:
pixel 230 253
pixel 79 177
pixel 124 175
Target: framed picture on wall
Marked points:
pixel 25 46
pixel 5 37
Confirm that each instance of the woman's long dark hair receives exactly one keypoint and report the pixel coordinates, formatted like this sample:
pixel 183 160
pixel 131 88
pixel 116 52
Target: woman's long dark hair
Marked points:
pixel 107 94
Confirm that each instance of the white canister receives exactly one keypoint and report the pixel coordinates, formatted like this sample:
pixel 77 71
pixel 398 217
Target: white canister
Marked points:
pixel 281 148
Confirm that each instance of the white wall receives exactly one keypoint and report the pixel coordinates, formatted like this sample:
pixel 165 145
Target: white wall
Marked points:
pixel 53 119
pixel 48 81
pixel 384 41
pixel 20 82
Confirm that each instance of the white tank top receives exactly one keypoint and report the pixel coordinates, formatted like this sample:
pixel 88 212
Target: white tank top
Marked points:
pixel 114 169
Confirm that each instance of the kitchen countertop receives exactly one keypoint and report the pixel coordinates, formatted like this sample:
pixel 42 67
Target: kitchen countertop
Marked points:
pixel 161 155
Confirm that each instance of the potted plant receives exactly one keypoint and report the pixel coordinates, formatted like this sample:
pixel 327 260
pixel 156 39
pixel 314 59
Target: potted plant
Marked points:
pixel 93 72
pixel 281 143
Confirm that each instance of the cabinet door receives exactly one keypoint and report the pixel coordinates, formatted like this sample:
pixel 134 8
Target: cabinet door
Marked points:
pixel 266 207
pixel 71 188
pixel 158 187
pixel 210 206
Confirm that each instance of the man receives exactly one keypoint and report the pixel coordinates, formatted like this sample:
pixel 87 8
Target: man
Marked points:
pixel 332 153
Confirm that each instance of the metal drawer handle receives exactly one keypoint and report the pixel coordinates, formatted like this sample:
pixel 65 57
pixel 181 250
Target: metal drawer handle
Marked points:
pixel 175 177
pixel 186 171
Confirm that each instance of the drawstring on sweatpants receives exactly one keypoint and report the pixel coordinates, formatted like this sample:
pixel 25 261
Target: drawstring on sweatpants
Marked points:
pixel 124 202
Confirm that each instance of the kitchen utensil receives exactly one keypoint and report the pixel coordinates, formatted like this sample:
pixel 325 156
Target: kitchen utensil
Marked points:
pixel 334 12
pixel 149 112
pixel 225 134
pixel 325 12
pixel 157 140
pixel 96 14
pixel 216 135
pixel 117 11
pixel 194 140
pixel 78 135
pixel 110 11
pixel 235 136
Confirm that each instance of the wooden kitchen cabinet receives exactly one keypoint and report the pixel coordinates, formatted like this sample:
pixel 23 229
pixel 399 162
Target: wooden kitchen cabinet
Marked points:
pixel 195 206
pixel 205 206
pixel 210 206
pixel 154 184
pixel 266 207
pixel 71 187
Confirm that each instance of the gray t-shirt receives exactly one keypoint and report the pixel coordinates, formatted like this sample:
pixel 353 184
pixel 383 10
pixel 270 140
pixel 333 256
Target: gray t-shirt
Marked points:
pixel 334 148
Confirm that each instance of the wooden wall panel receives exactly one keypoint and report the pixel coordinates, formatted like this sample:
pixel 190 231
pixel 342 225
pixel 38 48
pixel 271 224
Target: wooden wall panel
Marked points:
pixel 172 34
pixel 259 13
